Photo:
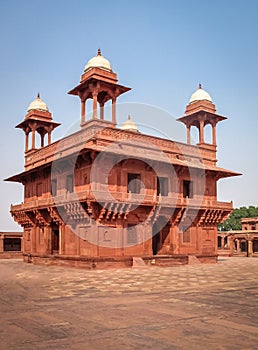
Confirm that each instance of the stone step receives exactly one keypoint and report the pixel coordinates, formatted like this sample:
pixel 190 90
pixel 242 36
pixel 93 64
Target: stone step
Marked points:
pixel 193 260
pixel 138 262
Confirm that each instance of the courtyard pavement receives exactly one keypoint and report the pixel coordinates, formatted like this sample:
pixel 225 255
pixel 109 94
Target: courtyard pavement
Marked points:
pixel 207 306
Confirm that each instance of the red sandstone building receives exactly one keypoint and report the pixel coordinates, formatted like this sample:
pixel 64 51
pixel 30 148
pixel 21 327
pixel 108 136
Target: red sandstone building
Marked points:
pixel 11 245
pixel 240 242
pixel 104 194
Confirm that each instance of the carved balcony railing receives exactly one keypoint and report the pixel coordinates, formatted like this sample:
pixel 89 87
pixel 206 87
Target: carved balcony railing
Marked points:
pixel 173 200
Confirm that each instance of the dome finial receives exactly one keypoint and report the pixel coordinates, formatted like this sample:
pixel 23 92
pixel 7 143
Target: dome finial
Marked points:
pixel 38 104
pixel 98 61
pixel 129 125
pixel 200 95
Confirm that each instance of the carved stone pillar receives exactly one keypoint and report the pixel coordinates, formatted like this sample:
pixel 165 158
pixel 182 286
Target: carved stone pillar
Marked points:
pixel 201 131
pixel 238 246
pixel 42 139
pixel 95 104
pixel 214 142
pixel 33 239
pixel 114 110
pixel 48 239
pixel 83 111
pixel 222 242
pixel 62 239
pixel 22 243
pixel 33 142
pixel 188 128
pixel 231 245
pixel 49 130
pixel 102 111
pixel 27 141
pixel 49 137
pixel 250 248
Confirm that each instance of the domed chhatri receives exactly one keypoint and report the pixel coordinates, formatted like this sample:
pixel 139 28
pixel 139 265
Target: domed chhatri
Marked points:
pixel 200 95
pixel 38 120
pixel 129 125
pixel 38 104
pixel 98 61
pixel 100 84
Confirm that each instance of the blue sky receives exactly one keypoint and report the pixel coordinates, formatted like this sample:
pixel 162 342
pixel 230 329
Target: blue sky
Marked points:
pixel 162 49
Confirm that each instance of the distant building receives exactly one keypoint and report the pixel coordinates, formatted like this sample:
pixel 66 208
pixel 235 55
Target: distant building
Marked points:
pixel 240 242
pixel 103 195
pixel 11 245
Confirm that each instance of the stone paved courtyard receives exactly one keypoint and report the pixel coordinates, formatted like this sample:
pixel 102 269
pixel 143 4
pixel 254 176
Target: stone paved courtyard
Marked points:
pixel 212 306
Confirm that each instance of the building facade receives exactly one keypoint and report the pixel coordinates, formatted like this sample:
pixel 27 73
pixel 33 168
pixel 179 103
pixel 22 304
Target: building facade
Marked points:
pixel 240 242
pixel 103 195
pixel 11 245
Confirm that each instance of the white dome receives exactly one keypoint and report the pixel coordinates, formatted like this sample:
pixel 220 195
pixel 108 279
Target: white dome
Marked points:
pixel 98 61
pixel 38 104
pixel 129 125
pixel 200 95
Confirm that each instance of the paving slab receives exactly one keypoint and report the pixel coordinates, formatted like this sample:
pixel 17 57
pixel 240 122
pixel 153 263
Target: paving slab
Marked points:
pixel 202 306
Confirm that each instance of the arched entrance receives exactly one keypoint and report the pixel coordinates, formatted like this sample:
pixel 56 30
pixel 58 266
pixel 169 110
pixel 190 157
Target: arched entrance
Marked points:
pixel 55 239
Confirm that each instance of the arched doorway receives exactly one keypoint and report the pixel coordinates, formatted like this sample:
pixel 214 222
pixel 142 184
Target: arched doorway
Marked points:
pixel 55 239
pixel 160 231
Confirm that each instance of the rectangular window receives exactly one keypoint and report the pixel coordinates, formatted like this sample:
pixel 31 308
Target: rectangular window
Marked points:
pixel 12 244
pixel 54 187
pixel 187 189
pixel 69 183
pixel 133 183
pixel 162 186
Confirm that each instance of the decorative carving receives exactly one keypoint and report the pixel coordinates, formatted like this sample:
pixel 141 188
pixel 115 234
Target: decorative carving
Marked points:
pixel 22 219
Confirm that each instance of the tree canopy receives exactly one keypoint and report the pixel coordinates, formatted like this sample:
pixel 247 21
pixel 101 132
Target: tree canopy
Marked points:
pixel 234 220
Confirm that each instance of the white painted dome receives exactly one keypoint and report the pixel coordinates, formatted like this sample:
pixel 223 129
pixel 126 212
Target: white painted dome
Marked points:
pixel 200 95
pixel 98 61
pixel 129 125
pixel 38 104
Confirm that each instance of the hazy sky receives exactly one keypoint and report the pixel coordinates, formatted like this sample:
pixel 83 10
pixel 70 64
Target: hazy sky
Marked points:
pixel 162 49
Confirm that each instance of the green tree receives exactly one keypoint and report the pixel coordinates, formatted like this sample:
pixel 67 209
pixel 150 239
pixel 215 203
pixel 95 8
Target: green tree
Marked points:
pixel 234 220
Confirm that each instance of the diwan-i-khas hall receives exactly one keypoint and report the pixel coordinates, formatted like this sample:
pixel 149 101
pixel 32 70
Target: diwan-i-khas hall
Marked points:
pixel 104 195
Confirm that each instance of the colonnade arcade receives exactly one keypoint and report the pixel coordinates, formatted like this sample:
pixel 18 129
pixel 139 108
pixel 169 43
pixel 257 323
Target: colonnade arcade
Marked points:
pixel 238 242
